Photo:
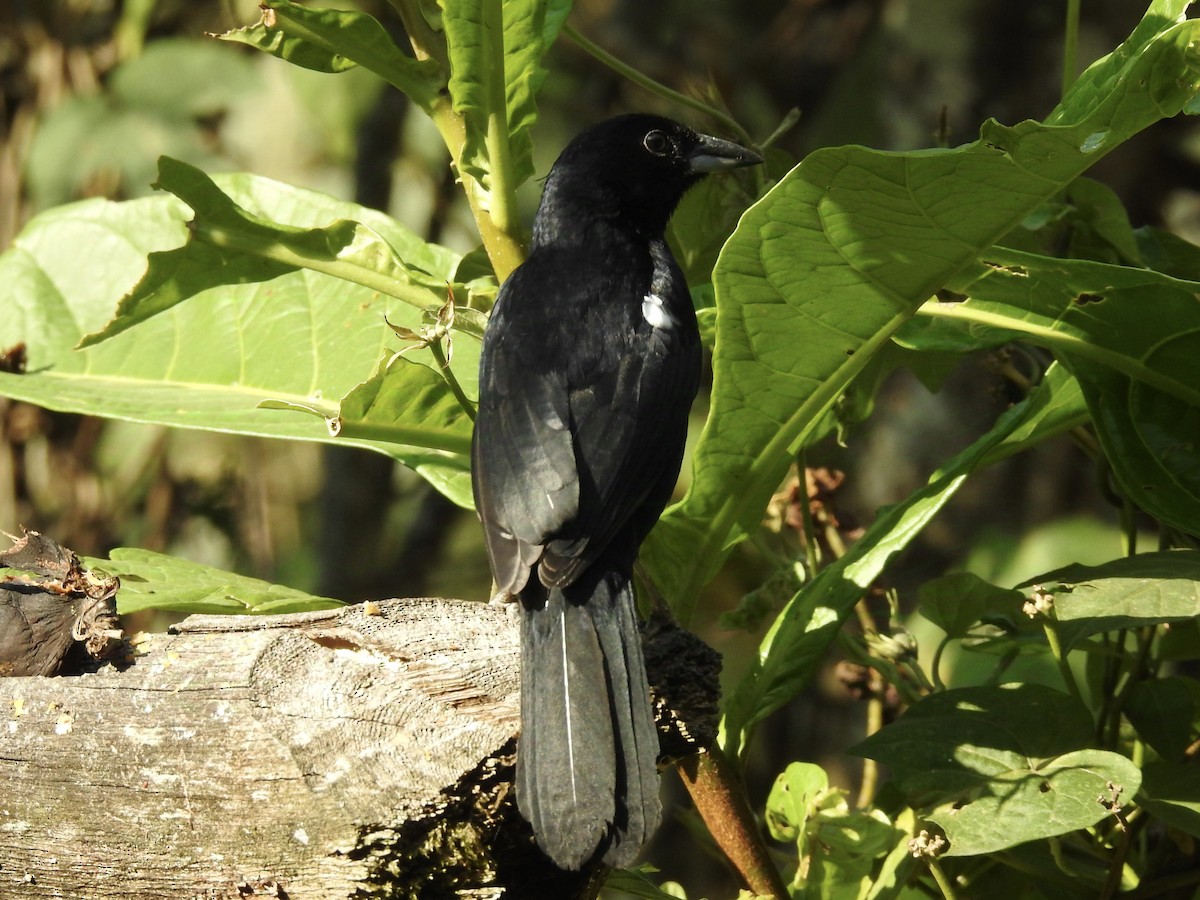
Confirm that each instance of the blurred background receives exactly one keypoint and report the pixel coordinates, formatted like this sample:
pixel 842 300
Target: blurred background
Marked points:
pixel 92 92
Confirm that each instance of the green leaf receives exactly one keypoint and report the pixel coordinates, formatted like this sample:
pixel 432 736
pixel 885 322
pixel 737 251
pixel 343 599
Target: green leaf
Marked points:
pixel 954 603
pixel 793 647
pixel 824 269
pixel 998 766
pixel 1163 712
pixel 330 40
pixel 1087 221
pixel 303 338
pixel 1131 592
pixel 409 403
pixel 229 245
pixel 496 51
pixel 637 883
pixel 1149 436
pixel 845 852
pixel 794 794
pixel 1092 311
pixel 157 581
pixel 1171 793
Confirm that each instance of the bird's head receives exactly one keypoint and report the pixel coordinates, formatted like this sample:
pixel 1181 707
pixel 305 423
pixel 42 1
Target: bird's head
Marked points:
pixel 633 168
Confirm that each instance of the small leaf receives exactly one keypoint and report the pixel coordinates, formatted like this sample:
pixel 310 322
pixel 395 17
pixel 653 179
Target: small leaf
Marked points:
pixel 792 797
pixel 956 602
pixel 158 581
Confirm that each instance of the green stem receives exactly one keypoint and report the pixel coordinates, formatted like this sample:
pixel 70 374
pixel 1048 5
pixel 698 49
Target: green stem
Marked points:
pixel 655 87
pixel 812 553
pixel 274 249
pixel 1050 626
pixel 435 347
pixel 945 885
pixel 503 247
pixel 1070 45
pixel 1049 336
pixel 936 665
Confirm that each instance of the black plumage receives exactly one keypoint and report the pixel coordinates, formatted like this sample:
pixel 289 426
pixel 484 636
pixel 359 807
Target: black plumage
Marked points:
pixel 590 363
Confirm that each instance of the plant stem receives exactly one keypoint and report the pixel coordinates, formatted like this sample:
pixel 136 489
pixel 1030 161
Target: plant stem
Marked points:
pixel 812 554
pixel 265 246
pixel 936 665
pixel 435 347
pixel 945 885
pixel 655 87
pixel 1070 45
pixel 426 43
pixel 503 248
pixel 870 771
pixel 1050 626
pixel 721 801
pixel 1116 869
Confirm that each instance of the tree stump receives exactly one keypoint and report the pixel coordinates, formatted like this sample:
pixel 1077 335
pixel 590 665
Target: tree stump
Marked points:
pixel 362 752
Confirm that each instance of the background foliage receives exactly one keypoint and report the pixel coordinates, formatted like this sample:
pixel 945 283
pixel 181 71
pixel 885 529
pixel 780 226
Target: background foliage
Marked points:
pixel 1050 709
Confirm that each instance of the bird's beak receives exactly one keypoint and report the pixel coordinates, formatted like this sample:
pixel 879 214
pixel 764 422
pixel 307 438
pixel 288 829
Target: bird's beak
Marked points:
pixel 713 154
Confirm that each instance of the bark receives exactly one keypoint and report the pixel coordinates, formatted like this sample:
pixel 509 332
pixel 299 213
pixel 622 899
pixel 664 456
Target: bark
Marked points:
pixel 363 752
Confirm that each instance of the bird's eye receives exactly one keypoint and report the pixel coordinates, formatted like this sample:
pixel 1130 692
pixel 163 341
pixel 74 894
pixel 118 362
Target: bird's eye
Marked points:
pixel 657 143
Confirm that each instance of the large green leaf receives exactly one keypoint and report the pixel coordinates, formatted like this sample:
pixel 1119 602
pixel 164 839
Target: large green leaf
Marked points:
pixel 1131 592
pixel 985 767
pixel 496 49
pixel 846 247
pixel 793 646
pixel 229 245
pixel 1149 436
pixel 301 338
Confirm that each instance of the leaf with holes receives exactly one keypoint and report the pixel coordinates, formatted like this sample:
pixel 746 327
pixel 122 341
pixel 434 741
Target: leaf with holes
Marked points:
pixel 981 763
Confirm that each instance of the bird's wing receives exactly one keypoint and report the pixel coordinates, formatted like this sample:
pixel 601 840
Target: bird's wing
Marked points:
pixel 524 472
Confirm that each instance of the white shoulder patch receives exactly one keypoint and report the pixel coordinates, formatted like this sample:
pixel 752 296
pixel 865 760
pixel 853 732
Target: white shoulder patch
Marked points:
pixel 655 312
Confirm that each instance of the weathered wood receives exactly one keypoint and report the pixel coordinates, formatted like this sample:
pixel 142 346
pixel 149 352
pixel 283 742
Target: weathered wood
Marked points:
pixel 354 753
pixel 361 753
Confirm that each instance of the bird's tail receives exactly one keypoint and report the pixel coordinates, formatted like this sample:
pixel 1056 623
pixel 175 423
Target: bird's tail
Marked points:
pixel 586 775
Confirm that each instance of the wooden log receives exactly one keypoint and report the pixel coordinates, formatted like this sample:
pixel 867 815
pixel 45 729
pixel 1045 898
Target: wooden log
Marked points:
pixel 361 752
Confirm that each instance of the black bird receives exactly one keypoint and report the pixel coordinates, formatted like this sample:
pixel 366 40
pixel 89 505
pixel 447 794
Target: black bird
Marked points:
pixel 590 363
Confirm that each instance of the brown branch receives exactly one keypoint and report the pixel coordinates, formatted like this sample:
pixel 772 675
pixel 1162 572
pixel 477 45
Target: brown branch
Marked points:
pixel 721 801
